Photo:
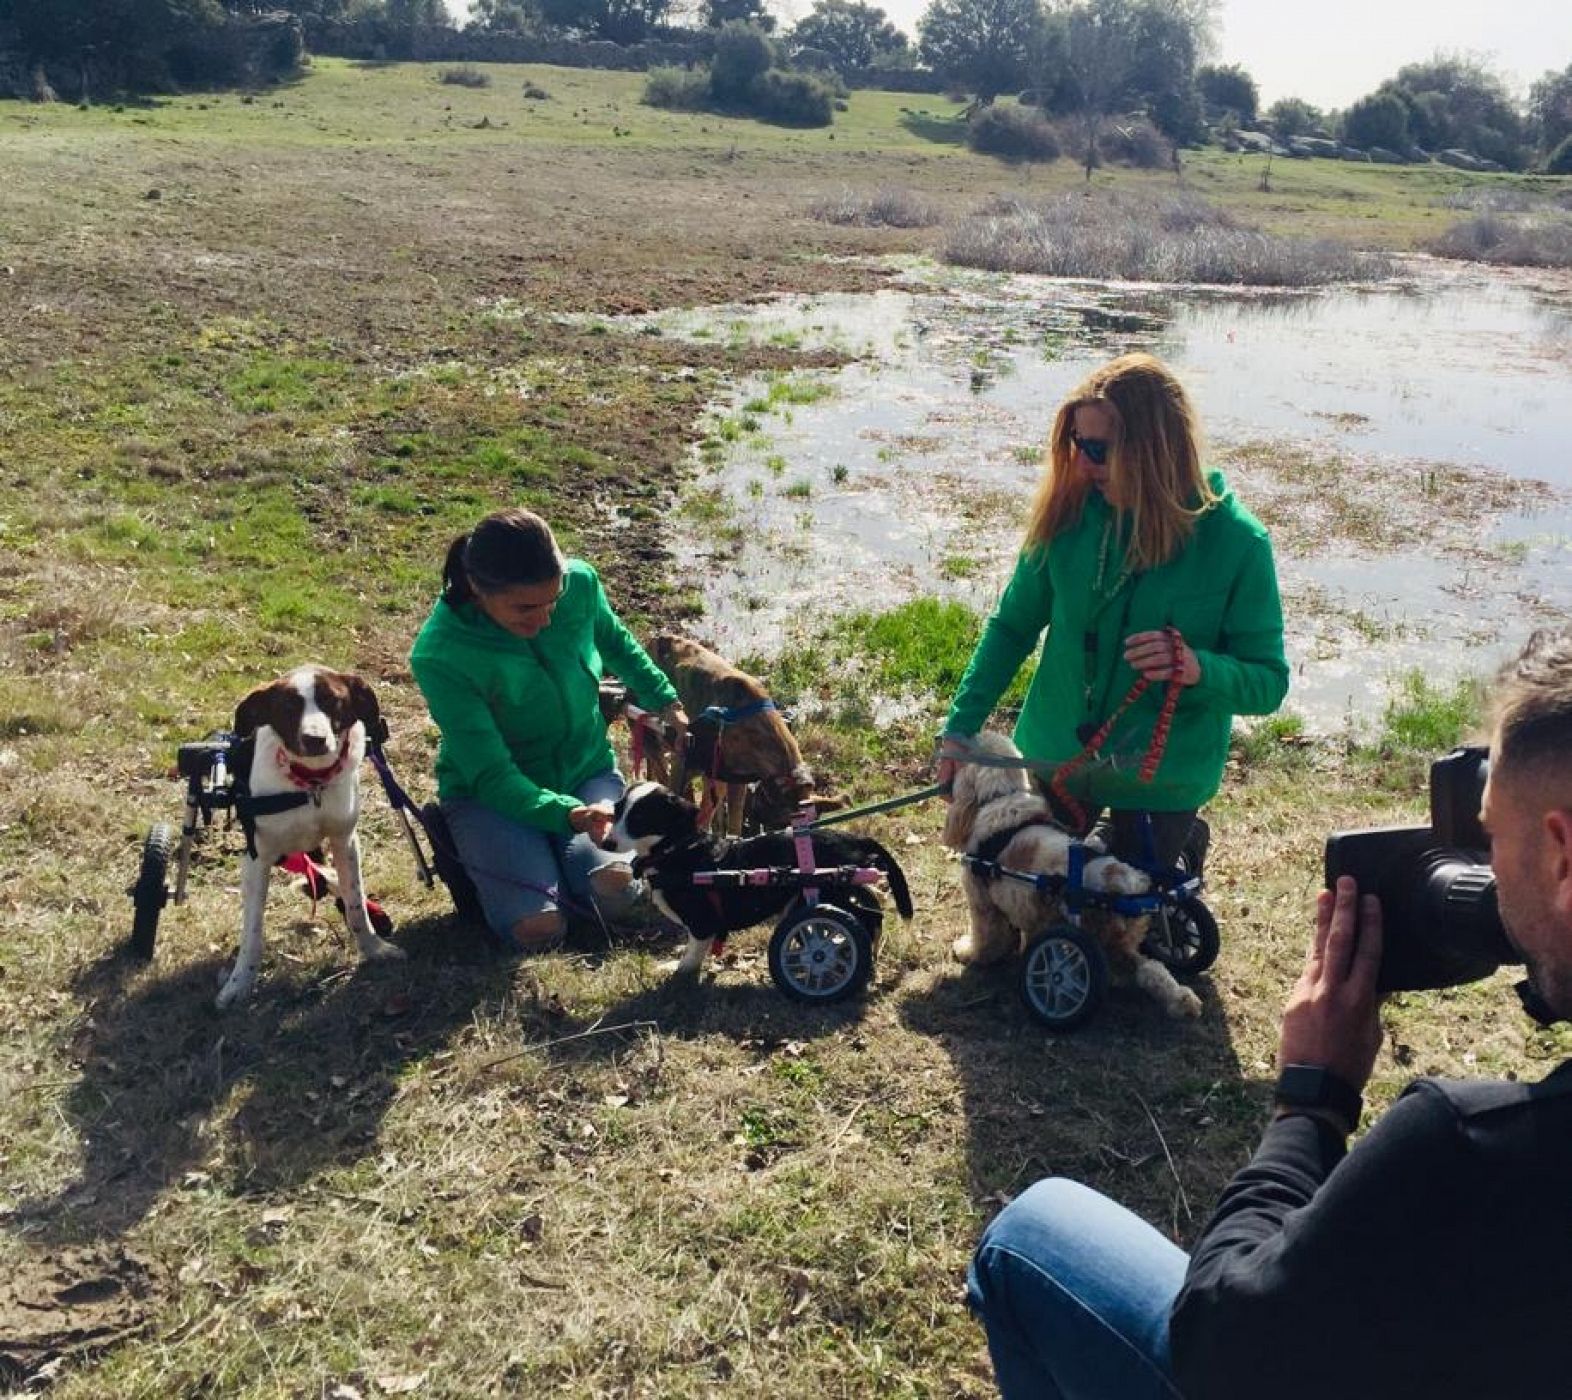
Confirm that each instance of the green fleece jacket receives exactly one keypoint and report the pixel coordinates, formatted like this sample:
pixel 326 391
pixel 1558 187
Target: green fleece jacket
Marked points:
pixel 520 716
pixel 1220 592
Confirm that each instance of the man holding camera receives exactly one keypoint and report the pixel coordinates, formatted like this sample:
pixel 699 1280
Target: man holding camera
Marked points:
pixel 1432 1261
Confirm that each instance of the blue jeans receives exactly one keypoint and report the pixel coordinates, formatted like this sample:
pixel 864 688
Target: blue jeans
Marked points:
pixel 516 867
pixel 1074 1292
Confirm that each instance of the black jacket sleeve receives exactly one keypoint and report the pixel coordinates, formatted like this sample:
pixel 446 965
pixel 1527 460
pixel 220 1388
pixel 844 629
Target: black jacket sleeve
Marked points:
pixel 1314 1261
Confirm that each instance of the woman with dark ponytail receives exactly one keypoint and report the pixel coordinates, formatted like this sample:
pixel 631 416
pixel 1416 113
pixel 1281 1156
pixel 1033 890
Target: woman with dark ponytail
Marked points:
pixel 510 662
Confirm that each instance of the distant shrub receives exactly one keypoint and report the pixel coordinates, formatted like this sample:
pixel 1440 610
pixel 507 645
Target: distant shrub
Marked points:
pixel 1136 143
pixel 743 54
pixel 791 99
pixel 1138 239
pixel 890 207
pixel 464 77
pixel 533 92
pixel 1523 240
pixel 678 89
pixel 1013 133
pixel 1559 161
pixel 1497 199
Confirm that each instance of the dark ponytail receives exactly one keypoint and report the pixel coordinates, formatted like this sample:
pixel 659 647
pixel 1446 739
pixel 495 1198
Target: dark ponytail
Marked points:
pixel 509 548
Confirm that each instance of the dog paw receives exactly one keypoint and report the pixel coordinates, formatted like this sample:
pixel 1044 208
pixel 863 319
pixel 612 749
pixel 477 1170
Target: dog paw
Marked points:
pixel 681 970
pixel 382 951
pixel 1185 1006
pixel 967 949
pixel 237 987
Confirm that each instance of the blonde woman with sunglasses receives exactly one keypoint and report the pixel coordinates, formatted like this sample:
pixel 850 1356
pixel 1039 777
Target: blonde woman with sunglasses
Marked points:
pixel 1137 563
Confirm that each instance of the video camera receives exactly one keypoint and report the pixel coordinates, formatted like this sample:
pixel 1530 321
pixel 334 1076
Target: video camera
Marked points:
pixel 1440 923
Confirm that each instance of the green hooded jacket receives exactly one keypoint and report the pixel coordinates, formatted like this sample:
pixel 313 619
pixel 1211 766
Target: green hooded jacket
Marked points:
pixel 520 716
pixel 1219 591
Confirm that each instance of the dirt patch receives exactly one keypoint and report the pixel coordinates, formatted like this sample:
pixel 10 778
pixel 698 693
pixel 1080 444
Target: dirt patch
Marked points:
pixel 69 1302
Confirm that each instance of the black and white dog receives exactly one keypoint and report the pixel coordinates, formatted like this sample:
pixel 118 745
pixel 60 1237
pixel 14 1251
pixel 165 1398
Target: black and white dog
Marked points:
pixel 662 830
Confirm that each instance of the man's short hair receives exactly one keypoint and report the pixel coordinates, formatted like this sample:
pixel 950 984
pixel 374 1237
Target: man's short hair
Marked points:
pixel 1533 707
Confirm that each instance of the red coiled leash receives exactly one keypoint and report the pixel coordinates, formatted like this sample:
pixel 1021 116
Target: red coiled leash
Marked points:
pixel 1058 784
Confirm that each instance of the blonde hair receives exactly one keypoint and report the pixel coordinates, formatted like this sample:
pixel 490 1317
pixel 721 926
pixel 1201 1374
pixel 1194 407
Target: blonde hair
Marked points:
pixel 1154 462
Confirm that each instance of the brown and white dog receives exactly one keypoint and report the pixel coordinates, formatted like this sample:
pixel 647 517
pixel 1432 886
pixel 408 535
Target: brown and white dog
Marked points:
pixel 756 749
pixel 987 802
pixel 309 735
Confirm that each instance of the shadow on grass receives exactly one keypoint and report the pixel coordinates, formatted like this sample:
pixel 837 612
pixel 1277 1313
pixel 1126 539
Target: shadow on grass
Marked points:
pixel 735 1006
pixel 942 131
pixel 316 1062
pixel 1152 1112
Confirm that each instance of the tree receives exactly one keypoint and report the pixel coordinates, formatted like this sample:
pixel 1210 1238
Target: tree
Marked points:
pixel 505 16
pixel 853 34
pixel 411 14
pixel 1228 88
pixel 1550 109
pixel 715 13
pixel 1381 119
pixel 1126 55
pixel 620 21
pixel 1457 101
pixel 743 53
pixel 980 45
pixel 1293 116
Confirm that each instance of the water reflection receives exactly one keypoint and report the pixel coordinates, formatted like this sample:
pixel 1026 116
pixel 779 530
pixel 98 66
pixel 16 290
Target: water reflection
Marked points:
pixel 913 477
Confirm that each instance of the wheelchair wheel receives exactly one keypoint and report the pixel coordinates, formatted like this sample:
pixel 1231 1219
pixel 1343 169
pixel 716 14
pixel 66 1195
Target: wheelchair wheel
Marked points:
pixel 1064 976
pixel 1192 942
pixel 151 891
pixel 821 953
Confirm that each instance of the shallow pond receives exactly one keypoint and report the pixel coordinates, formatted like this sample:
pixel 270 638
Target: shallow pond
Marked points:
pixel 1410 446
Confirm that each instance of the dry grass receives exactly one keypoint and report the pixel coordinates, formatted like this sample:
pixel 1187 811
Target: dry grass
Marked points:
pixel 1171 238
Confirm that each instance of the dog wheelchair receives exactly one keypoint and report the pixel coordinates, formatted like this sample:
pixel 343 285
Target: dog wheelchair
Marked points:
pixel 1064 971
pixel 822 949
pixel 214 770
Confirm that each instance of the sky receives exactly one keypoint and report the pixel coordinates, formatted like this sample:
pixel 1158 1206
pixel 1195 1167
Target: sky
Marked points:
pixel 1330 52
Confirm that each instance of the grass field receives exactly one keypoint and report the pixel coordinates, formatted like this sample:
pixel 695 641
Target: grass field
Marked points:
pixel 264 357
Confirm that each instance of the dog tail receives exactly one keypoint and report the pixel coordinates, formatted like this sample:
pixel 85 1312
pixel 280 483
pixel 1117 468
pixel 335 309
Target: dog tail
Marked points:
pixel 897 880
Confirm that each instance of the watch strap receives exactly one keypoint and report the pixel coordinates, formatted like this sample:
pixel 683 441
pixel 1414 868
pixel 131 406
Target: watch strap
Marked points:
pixel 1316 1087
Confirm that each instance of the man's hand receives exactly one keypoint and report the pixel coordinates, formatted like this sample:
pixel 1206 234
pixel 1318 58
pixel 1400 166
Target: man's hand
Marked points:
pixel 1152 654
pixel 1332 1017
pixel 595 820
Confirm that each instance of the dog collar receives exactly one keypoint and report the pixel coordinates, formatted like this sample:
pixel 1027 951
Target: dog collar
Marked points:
pixel 303 776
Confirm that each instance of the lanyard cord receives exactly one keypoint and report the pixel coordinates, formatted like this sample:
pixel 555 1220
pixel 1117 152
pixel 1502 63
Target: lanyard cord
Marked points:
pixel 1058 784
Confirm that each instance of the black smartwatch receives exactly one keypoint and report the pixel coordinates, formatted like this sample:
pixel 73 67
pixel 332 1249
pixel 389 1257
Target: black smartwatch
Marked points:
pixel 1316 1087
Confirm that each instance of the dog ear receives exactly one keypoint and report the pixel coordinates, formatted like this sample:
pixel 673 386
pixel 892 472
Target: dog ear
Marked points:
pixel 363 704
pixel 257 709
pixel 961 815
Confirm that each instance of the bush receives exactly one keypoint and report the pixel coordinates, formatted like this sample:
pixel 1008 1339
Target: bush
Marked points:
pixel 1014 133
pixel 678 89
pixel 1559 161
pixel 1128 238
pixel 890 207
pixel 791 99
pixel 1136 143
pixel 1524 240
pixel 533 92
pixel 465 77
pixel 743 54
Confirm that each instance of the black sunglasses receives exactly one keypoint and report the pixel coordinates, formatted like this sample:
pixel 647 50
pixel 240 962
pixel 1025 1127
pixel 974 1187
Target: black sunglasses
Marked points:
pixel 1096 449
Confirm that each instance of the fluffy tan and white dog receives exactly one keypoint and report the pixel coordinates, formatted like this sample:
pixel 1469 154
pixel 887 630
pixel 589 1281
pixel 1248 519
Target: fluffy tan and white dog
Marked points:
pixel 989 801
